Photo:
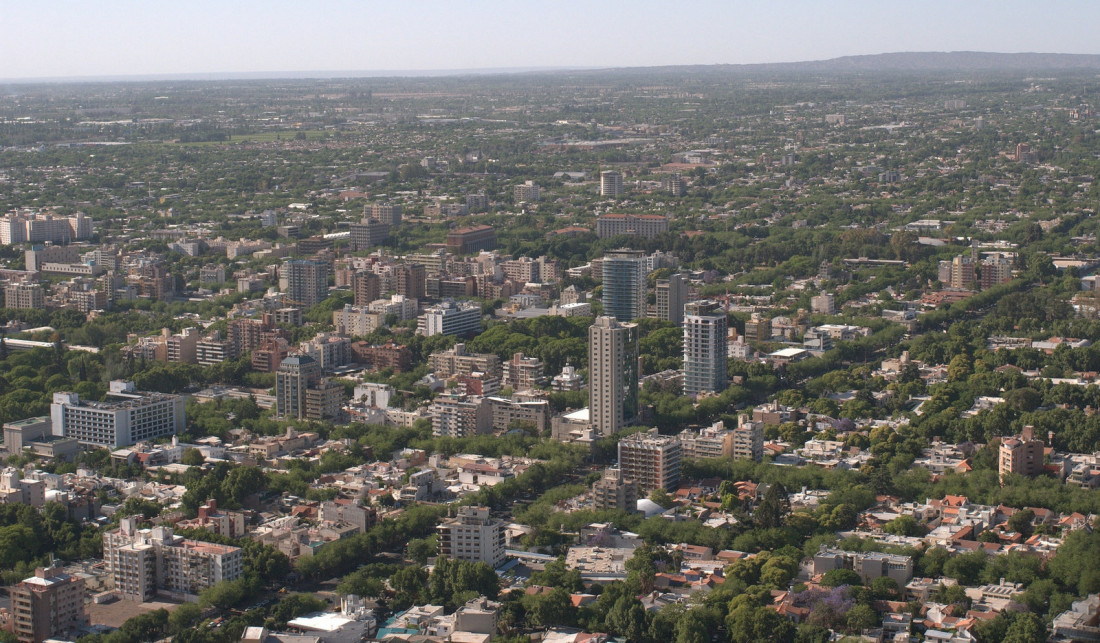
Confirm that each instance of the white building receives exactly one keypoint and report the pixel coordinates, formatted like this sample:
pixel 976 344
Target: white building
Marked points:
pixel 127 417
pixel 450 318
pixel 473 535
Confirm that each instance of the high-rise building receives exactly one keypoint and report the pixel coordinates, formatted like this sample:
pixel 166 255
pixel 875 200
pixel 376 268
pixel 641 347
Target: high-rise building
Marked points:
pixel 145 562
pixel 615 491
pixel 1021 455
pixel 651 459
pixel 671 297
pixel 995 270
pixel 451 318
pixel 705 329
pixel 611 183
pixel 366 286
pixel 962 272
pixel 473 535
pixel 126 417
pixel 296 374
pixel 624 284
pixel 674 184
pixel 748 440
pixel 613 374
pixel 306 281
pixel 409 280
pixel 47 605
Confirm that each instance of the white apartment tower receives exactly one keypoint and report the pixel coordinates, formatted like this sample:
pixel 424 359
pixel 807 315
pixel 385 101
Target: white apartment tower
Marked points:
pixel 705 329
pixel 611 183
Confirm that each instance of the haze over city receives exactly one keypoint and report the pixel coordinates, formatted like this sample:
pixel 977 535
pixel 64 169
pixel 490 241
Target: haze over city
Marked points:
pixel 73 39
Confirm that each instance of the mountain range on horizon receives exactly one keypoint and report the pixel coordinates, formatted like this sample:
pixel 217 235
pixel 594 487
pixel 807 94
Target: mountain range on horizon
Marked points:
pixel 953 61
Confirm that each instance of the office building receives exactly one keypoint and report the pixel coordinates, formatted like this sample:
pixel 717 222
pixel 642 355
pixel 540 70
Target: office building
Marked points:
pixel 615 491
pixel 306 281
pixel 463 241
pixel 705 330
pixel 646 226
pixel 613 374
pixel 48 605
pixel 528 192
pixel 451 318
pixel 611 184
pixel 624 284
pixel 24 295
pixel 671 297
pixel 387 213
pixel 147 562
pixel 748 440
pixel 126 417
pixel 473 535
pixel 1021 455
pixel 651 459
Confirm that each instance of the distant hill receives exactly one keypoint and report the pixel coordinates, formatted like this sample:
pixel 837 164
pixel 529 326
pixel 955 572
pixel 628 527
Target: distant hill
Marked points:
pixel 950 61
pixel 926 61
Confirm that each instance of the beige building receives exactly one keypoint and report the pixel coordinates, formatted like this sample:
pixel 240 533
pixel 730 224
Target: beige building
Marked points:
pixel 24 295
pixel 48 605
pixel 748 441
pixel 651 459
pixel 613 374
pixel 473 535
pixel 145 562
pixel 615 491
pixel 1022 455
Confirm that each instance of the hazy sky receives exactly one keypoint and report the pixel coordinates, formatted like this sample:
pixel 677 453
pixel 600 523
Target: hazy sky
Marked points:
pixel 66 38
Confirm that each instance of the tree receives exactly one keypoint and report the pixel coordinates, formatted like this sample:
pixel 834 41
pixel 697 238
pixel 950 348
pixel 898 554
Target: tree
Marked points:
pixel 838 577
pixel 861 617
pixel 903 525
pixel 628 618
pixel 661 497
pixel 773 507
pixel 1026 628
pixel 1021 522
pixel 192 457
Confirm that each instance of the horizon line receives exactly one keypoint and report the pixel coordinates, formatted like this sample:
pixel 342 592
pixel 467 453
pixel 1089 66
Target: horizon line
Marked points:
pixel 333 74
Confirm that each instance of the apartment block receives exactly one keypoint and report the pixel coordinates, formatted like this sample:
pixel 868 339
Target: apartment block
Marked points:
pixel 147 562
pixel 653 460
pixel 48 605
pixel 473 535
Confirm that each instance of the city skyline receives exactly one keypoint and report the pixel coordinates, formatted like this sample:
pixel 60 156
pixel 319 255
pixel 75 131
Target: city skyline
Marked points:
pixel 131 39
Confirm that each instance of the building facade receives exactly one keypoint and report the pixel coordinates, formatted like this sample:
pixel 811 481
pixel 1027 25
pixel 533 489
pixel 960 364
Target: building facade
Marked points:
pixel 671 295
pixel 651 459
pixel 624 284
pixel 613 374
pixel 128 416
pixel 145 562
pixel 705 330
pixel 48 605
pixel 473 535
pixel 611 184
